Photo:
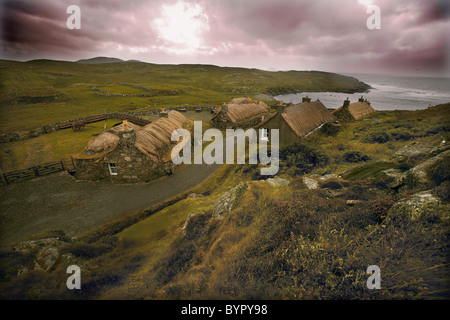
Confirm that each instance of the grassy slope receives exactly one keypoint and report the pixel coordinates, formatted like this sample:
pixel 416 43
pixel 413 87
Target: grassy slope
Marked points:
pixel 44 91
pixel 284 243
pixel 259 250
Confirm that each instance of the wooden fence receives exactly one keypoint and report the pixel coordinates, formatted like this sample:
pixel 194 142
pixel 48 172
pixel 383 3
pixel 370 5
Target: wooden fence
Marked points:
pixel 138 121
pixel 87 120
pixel 37 171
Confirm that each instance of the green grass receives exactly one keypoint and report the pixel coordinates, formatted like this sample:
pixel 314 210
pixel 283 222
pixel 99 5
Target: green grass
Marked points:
pixel 39 92
pixel 368 170
pixel 353 136
pixel 49 147
pixel 282 243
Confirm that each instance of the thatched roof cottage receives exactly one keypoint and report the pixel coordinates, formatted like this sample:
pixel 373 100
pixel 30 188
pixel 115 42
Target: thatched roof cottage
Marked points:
pixel 129 153
pixel 353 111
pixel 295 121
pixel 239 113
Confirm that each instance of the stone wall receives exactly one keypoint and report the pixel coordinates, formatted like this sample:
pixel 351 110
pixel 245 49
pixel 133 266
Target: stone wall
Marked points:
pixel 130 163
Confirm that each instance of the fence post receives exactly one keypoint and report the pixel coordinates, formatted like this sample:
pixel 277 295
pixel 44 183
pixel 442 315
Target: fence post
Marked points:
pixel 2 177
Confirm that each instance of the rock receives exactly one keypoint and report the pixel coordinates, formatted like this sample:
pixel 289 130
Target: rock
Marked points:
pixel 311 183
pixel 47 252
pixel 419 204
pixel 325 176
pixel 68 258
pixel 22 270
pixel 46 258
pixel 417 148
pixel 228 201
pixel 183 229
pixel 276 182
pixel 194 195
pixel 352 202
pixel 398 177
pixel 420 171
pixel 29 246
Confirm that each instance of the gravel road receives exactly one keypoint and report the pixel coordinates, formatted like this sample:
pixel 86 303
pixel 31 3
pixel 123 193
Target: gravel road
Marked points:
pixel 60 202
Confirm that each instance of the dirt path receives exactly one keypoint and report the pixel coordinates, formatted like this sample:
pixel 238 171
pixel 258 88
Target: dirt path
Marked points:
pixel 60 202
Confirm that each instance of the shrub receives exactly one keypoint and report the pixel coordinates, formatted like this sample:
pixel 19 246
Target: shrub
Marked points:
pixel 379 137
pixel 332 184
pixel 302 157
pixel 379 208
pixel 439 172
pixel 401 135
pixel 443 190
pixel 404 166
pixel 354 157
pixel 256 175
pixel 297 183
pixel 411 181
pixel 330 129
pixel 384 183
pixel 92 250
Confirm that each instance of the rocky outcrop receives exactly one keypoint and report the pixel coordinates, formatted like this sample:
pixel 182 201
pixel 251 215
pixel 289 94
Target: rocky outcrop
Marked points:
pixel 47 252
pixel 310 183
pixel 195 195
pixel 421 148
pixel 420 204
pixel 419 172
pixel 228 201
pixel 276 182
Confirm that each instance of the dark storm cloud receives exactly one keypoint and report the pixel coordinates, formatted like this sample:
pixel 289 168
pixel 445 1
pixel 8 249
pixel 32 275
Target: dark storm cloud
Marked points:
pixel 284 34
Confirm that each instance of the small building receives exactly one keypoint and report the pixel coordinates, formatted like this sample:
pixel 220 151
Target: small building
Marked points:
pixel 294 121
pixel 129 153
pixel 353 111
pixel 239 113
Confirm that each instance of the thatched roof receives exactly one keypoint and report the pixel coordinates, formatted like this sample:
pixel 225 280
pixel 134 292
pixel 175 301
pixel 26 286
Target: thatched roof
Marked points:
pixel 241 109
pixel 153 140
pixel 354 110
pixel 106 141
pixel 306 116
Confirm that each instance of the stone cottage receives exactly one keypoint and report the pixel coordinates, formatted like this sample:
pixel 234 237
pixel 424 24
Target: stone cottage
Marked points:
pixel 353 111
pixel 239 113
pixel 128 153
pixel 294 121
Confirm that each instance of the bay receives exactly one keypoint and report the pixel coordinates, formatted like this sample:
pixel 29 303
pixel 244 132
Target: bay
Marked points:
pixel 387 93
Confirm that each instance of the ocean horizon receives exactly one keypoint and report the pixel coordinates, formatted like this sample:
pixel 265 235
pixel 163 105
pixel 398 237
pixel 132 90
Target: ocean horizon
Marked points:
pixel 388 93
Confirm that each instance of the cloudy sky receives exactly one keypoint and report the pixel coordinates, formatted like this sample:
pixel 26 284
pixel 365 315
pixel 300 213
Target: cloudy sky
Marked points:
pixel 328 35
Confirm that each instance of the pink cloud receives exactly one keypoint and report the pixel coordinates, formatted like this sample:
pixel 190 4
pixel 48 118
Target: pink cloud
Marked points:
pixel 286 34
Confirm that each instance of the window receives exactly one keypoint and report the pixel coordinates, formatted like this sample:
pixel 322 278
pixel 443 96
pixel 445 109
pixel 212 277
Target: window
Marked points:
pixel 112 169
pixel 265 134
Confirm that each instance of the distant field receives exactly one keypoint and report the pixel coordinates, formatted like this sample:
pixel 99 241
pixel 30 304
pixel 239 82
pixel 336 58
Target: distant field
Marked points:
pixel 49 147
pixel 64 143
pixel 44 91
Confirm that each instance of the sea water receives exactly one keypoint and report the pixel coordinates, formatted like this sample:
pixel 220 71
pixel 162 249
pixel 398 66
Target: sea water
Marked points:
pixel 387 93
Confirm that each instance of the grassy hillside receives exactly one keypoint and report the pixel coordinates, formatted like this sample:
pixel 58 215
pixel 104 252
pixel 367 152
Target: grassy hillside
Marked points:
pixel 44 91
pixel 286 242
